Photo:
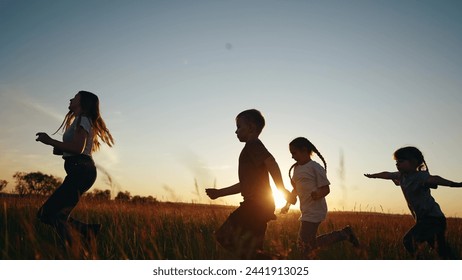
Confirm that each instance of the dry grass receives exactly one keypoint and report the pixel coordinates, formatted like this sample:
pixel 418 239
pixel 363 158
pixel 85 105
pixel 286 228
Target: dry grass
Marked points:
pixel 185 232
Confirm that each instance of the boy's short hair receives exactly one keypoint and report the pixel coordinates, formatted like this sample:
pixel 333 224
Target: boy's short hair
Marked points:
pixel 255 117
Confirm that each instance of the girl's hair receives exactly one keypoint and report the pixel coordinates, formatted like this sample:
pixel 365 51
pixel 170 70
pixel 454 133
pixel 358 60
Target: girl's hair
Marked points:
pixel 411 153
pixel 89 103
pixel 253 116
pixel 303 143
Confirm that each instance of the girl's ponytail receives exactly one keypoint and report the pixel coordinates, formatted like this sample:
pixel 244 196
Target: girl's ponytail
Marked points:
pixel 321 157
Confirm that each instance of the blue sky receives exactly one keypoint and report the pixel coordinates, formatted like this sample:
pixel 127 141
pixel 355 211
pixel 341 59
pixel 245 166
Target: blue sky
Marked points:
pixel 360 79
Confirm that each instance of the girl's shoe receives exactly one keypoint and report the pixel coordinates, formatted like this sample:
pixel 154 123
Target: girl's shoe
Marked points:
pixel 351 236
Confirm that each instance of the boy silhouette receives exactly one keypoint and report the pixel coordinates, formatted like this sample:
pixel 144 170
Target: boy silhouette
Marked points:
pixel 244 231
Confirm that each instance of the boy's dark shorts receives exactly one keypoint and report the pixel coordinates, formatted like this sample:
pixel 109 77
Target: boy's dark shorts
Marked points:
pixel 244 230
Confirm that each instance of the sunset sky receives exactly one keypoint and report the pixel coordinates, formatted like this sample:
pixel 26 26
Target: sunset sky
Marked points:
pixel 360 79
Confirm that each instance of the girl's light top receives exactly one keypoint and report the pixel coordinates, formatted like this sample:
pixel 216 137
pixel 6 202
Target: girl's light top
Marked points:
pixel 308 178
pixel 86 124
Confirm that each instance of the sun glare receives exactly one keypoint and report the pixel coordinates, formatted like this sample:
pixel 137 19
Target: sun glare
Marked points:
pixel 279 199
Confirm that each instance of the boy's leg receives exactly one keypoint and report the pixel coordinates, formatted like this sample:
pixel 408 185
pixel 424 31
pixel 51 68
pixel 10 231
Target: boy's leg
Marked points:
pixel 251 246
pixel 226 234
pixel 242 233
pixel 240 241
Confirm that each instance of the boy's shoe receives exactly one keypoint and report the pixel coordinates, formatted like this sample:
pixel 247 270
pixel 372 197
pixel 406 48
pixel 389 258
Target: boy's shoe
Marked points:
pixel 351 236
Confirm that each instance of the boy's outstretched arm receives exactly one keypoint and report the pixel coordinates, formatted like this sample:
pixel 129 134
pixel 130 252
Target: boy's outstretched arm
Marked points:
pixel 438 180
pixel 216 193
pixel 275 171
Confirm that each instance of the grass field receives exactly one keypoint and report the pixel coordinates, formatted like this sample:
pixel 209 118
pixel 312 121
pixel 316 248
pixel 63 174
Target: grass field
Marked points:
pixel 179 231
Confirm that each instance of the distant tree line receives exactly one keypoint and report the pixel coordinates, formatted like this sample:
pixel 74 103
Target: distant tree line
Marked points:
pixel 3 184
pixel 37 183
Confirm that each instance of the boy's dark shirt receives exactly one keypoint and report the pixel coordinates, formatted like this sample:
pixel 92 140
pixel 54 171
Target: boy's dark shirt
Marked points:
pixel 253 175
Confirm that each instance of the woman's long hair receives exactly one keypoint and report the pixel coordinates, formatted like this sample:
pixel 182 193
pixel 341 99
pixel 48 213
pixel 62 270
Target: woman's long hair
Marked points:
pixel 89 103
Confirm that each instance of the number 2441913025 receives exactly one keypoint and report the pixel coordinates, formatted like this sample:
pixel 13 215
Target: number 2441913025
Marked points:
pixel 277 270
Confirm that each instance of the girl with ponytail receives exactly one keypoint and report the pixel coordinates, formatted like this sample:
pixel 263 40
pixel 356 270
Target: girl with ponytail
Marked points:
pixel 415 181
pixel 312 186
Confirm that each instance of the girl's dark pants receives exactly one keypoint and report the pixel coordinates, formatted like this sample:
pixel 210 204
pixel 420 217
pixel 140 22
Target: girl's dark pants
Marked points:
pixel 431 230
pixel 308 240
pixel 81 174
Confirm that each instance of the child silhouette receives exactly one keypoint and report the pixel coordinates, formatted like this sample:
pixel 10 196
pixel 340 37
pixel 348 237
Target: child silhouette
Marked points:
pixel 244 230
pixel 83 128
pixel 416 183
